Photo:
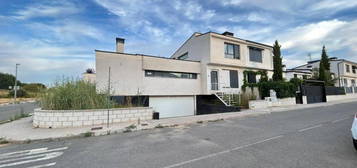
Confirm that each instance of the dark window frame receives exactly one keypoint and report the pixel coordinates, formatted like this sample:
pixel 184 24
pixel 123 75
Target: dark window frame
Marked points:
pixel 235 51
pixel 251 78
pixel 170 74
pixel 233 79
pixel 254 58
pixel 348 68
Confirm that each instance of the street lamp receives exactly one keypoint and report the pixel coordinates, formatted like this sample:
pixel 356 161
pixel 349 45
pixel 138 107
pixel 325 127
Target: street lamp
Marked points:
pixel 15 87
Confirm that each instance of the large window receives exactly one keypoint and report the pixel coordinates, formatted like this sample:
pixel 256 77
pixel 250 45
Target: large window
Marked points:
pixel 231 51
pixel 255 54
pixel 347 68
pixel 233 78
pixel 166 74
pixel 183 56
pixel 354 69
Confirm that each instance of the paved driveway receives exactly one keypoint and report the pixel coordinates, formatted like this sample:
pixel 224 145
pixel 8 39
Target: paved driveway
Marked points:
pixel 314 137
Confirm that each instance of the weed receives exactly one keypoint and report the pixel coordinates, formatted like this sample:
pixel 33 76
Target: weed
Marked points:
pixel 216 120
pixel 3 141
pixel 159 126
pixel 199 122
pixel 88 134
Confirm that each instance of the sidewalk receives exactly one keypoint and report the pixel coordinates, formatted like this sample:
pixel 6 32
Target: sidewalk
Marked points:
pixel 22 130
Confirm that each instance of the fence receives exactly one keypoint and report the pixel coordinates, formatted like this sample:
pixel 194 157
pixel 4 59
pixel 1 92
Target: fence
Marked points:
pixel 332 90
pixel 349 90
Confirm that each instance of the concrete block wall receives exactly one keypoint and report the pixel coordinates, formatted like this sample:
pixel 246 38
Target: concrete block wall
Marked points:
pixel 261 104
pixel 91 117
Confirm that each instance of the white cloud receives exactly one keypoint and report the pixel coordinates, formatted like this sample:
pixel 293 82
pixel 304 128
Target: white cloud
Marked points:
pixel 333 5
pixel 51 9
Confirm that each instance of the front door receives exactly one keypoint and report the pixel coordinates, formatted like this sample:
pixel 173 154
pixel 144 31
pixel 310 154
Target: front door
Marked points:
pixel 214 80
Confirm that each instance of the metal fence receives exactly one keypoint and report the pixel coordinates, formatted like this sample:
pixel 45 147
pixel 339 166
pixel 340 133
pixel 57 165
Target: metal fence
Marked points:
pixel 349 89
pixel 332 90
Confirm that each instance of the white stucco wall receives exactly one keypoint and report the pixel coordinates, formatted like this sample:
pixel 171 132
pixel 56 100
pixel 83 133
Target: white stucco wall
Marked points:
pixel 128 75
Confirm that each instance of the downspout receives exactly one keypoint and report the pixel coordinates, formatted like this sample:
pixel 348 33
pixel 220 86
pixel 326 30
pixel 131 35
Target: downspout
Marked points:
pixel 338 71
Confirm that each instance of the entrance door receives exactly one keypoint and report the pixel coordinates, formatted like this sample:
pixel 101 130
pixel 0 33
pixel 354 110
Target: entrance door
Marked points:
pixel 314 94
pixel 214 80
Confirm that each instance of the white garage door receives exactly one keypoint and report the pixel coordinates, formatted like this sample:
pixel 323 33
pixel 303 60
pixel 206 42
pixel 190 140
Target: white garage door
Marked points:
pixel 173 106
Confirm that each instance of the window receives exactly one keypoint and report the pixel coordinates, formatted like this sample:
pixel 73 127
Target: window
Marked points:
pixel 353 82
pixel 233 78
pixel 255 54
pixel 304 76
pixel 345 82
pixel 354 69
pixel 231 51
pixel 347 68
pixel 183 56
pixel 165 74
pixel 252 78
pixel 295 76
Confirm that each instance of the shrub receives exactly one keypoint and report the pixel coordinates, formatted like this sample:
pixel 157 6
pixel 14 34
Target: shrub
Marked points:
pixel 33 87
pixel 282 89
pixel 19 93
pixel 74 95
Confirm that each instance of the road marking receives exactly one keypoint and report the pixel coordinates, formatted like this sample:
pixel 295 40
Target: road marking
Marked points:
pixel 44 165
pixel 222 152
pixel 30 152
pixel 336 121
pixel 30 156
pixel 309 128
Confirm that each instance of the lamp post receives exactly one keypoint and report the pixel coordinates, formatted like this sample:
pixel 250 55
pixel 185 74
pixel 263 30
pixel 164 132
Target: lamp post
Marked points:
pixel 15 87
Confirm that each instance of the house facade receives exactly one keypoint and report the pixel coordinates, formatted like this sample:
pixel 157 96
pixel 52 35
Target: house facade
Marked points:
pixel 344 71
pixel 206 64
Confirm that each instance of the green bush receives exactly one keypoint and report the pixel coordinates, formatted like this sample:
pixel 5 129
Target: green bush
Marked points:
pixel 19 93
pixel 74 95
pixel 282 89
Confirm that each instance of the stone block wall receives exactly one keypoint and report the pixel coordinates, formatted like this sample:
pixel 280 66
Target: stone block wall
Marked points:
pixel 91 117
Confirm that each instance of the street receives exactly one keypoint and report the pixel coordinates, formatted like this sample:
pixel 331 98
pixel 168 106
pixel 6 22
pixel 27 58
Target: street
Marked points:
pixel 9 111
pixel 314 137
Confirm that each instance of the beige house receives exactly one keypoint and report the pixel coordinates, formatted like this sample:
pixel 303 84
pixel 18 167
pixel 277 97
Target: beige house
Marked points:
pixel 343 70
pixel 205 65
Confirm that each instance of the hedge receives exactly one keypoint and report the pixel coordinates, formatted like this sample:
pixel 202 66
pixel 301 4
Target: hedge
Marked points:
pixel 282 89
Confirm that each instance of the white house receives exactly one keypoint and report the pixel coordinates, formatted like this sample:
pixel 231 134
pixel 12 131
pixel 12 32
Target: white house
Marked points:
pixel 206 64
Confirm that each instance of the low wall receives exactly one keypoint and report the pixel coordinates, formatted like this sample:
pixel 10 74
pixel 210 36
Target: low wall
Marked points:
pixel 78 118
pixel 330 98
pixel 259 104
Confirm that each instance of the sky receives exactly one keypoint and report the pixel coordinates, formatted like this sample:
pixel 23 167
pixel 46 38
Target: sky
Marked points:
pixel 52 39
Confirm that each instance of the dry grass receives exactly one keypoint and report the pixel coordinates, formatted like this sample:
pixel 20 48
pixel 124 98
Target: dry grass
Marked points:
pixel 3 93
pixel 11 100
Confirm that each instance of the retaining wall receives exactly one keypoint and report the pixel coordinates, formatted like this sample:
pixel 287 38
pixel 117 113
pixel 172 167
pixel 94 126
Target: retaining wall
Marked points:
pixel 78 118
pixel 260 104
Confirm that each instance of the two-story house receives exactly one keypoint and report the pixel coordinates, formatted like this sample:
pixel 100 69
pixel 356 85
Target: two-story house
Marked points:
pixel 342 70
pixel 207 63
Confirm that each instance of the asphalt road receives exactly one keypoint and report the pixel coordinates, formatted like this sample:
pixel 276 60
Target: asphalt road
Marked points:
pixel 315 137
pixel 9 111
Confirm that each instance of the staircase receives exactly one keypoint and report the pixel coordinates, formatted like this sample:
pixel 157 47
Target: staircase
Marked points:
pixel 226 98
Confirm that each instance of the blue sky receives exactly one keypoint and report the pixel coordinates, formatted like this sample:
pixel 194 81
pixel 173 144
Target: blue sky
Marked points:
pixel 56 38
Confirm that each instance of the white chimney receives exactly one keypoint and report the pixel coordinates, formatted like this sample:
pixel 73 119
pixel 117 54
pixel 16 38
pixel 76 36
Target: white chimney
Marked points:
pixel 120 44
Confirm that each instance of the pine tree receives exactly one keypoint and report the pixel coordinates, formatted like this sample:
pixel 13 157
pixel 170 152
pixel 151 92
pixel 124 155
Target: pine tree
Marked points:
pixel 324 70
pixel 277 61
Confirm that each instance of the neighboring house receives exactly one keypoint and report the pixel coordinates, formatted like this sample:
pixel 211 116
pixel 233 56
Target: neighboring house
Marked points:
pixel 343 70
pixel 206 64
pixel 300 73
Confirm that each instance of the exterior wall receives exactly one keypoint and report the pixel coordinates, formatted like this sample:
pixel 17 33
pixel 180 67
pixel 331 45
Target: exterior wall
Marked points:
pixel 78 118
pixel 290 75
pixel 330 98
pixel 217 53
pixel 128 75
pixel 261 104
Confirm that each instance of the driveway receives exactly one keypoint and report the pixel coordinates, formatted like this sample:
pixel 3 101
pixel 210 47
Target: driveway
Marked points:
pixel 314 137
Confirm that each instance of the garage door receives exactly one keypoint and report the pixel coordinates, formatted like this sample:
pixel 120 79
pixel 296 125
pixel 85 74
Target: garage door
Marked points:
pixel 173 106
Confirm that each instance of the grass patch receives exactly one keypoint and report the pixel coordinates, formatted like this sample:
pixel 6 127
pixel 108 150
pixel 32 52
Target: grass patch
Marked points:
pixel 88 134
pixel 216 120
pixel 129 128
pixel 70 94
pixel 159 126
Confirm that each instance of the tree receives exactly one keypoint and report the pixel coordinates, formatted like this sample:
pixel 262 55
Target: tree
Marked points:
pixel 324 70
pixel 7 80
pixel 277 61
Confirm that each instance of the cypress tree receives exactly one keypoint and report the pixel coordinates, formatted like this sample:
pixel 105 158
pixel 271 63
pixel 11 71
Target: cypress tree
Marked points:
pixel 277 61
pixel 324 59
pixel 324 71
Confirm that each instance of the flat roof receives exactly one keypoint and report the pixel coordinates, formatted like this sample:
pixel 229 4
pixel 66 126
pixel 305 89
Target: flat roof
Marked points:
pixel 113 52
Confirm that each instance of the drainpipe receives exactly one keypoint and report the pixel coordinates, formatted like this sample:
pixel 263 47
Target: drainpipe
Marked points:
pixel 338 71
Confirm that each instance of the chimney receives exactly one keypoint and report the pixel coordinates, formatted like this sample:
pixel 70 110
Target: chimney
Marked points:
pixel 227 33
pixel 120 44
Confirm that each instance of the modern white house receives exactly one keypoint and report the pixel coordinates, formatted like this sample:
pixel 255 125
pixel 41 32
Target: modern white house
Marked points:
pixel 206 64
pixel 343 70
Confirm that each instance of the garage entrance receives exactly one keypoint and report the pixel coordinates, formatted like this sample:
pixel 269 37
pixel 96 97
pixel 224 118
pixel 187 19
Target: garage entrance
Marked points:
pixel 173 106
